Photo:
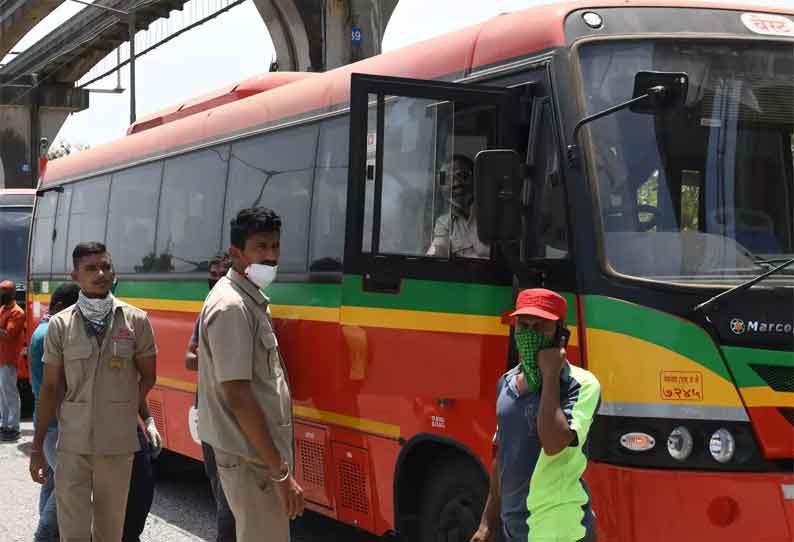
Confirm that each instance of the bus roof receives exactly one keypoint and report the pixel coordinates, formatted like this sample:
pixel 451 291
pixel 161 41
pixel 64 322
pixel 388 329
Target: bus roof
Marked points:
pixel 535 29
pixel 216 98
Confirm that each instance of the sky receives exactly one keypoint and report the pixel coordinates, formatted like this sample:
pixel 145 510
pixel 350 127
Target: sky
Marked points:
pixel 235 46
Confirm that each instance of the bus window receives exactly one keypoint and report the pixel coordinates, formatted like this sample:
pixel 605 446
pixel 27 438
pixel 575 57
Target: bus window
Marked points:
pixel 548 193
pixel 132 217
pixel 276 171
pixel 427 179
pixel 330 197
pixel 41 257
pixel 88 213
pixel 191 209
pixel 704 191
pixel 14 229
pixel 61 255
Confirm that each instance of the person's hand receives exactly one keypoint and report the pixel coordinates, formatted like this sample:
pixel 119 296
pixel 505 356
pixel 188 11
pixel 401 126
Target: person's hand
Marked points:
pixel 290 494
pixel 154 437
pixel 550 362
pixel 483 534
pixel 38 467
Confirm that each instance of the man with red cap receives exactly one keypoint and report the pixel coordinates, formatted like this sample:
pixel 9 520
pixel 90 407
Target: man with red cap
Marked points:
pixel 544 410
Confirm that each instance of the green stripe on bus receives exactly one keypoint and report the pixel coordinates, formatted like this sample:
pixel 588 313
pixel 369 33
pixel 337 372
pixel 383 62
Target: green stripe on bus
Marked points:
pixel 432 296
pixel 417 295
pixel 656 327
pixel 740 359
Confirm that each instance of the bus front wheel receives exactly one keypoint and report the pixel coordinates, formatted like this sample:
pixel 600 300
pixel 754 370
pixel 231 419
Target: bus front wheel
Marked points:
pixel 452 502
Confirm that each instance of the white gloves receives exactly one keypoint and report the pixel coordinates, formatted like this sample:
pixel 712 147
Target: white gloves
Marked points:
pixel 154 437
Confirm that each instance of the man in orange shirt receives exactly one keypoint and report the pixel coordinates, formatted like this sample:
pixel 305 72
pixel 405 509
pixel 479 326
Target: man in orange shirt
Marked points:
pixel 12 335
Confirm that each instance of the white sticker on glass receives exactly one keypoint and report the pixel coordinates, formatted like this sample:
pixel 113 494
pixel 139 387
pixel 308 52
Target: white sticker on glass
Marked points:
pixel 768 24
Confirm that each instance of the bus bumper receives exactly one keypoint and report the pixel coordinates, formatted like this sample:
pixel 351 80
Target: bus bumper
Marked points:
pixel 646 505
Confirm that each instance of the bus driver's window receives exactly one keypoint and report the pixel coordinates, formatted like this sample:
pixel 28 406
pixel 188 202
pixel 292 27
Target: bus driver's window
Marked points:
pixel 427 179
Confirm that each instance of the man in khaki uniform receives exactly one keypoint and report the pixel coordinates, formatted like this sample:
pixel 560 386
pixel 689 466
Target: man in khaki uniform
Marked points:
pixel 99 365
pixel 245 403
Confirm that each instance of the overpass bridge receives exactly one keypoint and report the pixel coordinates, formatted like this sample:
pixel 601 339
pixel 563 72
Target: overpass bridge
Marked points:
pixel 38 87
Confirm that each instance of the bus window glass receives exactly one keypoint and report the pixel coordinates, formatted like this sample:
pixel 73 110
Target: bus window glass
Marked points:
pixel 41 251
pixel 14 230
pixel 548 204
pixel 132 216
pixel 703 192
pixel 428 184
pixel 61 261
pixel 88 213
pixel 330 196
pixel 191 207
pixel 276 171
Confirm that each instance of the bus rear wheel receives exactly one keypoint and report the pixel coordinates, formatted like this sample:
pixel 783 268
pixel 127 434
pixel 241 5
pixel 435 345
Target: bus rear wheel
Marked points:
pixel 452 502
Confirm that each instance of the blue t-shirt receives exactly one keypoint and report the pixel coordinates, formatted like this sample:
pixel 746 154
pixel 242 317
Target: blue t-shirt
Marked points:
pixel 36 353
pixel 519 450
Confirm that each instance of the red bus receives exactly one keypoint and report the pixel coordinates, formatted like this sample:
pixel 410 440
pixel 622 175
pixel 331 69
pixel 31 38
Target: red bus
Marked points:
pixel 637 216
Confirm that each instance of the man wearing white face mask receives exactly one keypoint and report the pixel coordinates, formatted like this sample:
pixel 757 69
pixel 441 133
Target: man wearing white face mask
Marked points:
pixel 243 391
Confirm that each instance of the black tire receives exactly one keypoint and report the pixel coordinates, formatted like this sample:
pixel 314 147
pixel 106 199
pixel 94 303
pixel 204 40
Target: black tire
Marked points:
pixel 452 501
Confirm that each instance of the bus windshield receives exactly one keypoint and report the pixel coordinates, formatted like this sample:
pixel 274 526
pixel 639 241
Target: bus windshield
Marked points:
pixel 14 228
pixel 702 193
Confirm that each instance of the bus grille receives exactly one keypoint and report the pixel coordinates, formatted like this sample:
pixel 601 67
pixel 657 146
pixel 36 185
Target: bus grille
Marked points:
pixel 779 378
pixel 354 486
pixel 313 462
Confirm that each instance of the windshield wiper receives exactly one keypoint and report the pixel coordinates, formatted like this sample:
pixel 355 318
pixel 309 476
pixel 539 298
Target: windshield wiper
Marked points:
pixel 770 261
pixel 741 287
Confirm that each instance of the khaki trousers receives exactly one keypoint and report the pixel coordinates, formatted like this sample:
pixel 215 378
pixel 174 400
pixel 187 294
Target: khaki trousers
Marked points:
pixel 257 512
pixel 92 489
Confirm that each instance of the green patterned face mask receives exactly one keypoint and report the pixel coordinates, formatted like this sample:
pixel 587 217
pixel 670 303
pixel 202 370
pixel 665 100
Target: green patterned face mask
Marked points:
pixel 529 343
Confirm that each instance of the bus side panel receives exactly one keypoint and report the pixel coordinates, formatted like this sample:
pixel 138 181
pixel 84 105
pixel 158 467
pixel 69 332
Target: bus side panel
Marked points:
pixel 659 506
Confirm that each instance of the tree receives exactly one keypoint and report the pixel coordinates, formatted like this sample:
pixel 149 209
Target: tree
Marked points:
pixel 64 148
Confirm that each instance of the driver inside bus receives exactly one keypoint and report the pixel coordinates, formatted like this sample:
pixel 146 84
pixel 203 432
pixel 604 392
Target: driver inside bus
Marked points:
pixel 455 233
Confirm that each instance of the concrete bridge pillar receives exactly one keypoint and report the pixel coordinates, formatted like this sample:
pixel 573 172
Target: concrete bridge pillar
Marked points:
pixel 316 35
pixel 26 115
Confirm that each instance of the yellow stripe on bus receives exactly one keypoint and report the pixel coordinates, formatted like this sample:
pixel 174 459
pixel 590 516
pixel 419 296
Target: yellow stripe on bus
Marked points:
pixel 355 316
pixel 762 396
pixel 176 383
pixel 334 418
pixel 369 426
pixel 423 321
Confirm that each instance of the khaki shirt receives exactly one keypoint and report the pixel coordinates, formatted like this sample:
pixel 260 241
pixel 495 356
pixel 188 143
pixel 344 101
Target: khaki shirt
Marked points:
pixel 237 342
pixel 99 411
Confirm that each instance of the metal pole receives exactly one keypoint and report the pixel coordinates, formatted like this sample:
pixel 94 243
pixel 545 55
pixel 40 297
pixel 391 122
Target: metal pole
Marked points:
pixel 131 30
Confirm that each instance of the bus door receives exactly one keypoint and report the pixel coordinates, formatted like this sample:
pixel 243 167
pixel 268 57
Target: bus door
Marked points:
pixel 422 293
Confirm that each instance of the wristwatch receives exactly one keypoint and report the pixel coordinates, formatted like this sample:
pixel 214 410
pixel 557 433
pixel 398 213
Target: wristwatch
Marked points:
pixel 284 473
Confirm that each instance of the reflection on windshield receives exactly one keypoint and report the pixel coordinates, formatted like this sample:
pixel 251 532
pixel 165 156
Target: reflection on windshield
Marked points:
pixel 14 228
pixel 701 193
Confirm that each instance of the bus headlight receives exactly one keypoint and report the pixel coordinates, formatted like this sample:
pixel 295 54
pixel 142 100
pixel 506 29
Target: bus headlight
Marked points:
pixel 722 445
pixel 679 443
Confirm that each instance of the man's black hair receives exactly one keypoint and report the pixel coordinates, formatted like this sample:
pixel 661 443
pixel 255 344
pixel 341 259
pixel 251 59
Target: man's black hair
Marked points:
pixel 87 249
pixel 251 221
pixel 65 295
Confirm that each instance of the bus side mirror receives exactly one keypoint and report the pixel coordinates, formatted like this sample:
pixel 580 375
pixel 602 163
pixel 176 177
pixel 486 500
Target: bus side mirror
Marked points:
pixel 662 90
pixel 497 195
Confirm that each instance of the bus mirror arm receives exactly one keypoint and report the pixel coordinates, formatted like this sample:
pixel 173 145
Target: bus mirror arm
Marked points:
pixel 573 148
pixel 40 193
pixel 653 92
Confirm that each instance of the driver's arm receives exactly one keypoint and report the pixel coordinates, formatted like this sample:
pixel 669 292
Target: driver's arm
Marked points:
pixel 440 245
